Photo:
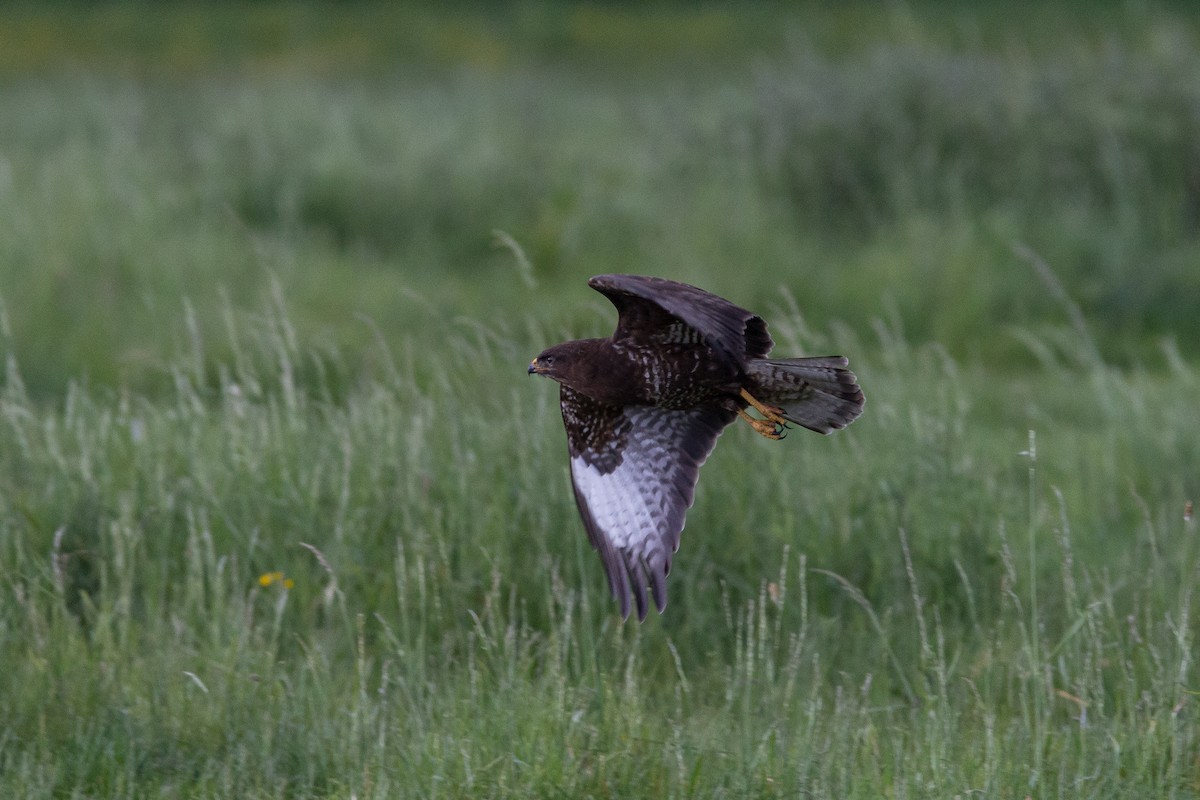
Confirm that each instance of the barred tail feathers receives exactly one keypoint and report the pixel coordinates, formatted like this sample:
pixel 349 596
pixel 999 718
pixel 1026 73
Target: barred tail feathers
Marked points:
pixel 818 393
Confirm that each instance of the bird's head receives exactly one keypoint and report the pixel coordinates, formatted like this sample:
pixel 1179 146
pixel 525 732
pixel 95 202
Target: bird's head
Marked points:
pixel 553 362
pixel 571 363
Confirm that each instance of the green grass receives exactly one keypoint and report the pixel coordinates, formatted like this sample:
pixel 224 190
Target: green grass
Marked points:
pixel 257 321
pixel 915 605
pixel 884 174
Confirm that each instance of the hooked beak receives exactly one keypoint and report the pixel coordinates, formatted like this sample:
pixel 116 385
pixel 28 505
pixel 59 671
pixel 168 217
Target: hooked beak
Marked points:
pixel 534 367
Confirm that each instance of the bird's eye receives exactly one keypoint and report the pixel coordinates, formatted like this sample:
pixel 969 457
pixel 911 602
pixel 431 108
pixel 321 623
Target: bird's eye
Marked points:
pixel 546 361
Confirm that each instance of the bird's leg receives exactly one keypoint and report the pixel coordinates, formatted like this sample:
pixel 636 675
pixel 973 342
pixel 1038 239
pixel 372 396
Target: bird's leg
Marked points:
pixel 768 429
pixel 772 413
pixel 773 426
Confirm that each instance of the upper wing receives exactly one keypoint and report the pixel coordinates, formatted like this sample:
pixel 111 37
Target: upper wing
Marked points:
pixel 651 308
pixel 634 470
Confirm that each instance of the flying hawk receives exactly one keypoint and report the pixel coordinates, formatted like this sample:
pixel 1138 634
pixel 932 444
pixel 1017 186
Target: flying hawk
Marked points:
pixel 644 407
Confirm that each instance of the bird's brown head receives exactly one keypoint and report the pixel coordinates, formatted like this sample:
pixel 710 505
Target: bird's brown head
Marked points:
pixel 575 364
pixel 554 362
pixel 589 367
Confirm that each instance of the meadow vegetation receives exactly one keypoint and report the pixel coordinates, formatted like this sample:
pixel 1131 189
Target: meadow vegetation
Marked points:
pixel 281 514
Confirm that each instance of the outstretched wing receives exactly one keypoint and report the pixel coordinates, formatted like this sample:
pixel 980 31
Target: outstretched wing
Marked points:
pixel 634 470
pixel 651 310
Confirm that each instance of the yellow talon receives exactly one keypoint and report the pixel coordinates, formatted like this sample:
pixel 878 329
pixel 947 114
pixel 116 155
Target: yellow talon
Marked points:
pixel 772 426
pixel 769 429
pixel 770 412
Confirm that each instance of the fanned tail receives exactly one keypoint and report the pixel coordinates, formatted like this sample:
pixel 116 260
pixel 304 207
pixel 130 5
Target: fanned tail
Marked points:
pixel 818 393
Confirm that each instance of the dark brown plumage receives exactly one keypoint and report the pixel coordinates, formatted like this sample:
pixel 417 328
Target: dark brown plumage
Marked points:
pixel 644 407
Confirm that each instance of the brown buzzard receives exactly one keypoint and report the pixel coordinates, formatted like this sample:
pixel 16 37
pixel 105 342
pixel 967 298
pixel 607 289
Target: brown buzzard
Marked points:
pixel 644 407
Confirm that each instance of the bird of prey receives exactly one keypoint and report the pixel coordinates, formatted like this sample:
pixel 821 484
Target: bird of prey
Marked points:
pixel 644 407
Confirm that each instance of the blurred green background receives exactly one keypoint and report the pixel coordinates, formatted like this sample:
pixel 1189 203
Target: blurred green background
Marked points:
pixel 281 514
pixel 163 166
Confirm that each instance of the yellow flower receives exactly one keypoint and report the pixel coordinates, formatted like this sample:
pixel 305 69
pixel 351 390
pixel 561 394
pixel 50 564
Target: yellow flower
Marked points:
pixel 267 578
pixel 288 583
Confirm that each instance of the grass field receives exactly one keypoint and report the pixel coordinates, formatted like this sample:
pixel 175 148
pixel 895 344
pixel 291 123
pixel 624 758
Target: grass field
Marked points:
pixel 281 514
